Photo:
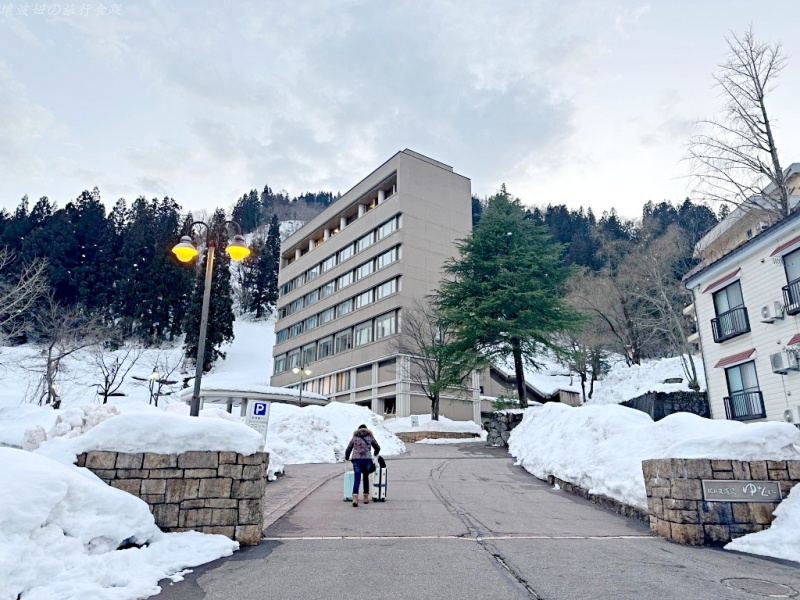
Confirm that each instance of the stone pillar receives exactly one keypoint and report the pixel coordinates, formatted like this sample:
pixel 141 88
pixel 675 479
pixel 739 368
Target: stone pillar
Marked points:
pixel 403 397
pixel 361 210
pixel 381 196
pixel 326 235
pixel 297 253
pixel 342 223
pixel 310 245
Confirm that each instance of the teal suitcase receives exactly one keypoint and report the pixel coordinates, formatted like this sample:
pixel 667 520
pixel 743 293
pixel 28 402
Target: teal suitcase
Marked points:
pixel 348 486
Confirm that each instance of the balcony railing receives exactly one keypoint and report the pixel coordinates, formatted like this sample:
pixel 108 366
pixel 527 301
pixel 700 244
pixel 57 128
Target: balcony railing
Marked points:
pixel 745 405
pixel 730 324
pixel 791 297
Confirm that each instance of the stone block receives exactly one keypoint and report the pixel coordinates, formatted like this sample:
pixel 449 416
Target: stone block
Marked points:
pixel 159 461
pixel 228 532
pixel 742 512
pixel 153 499
pixel 219 487
pixel 166 474
pixel 689 534
pixel 648 469
pixel 133 473
pixel 221 503
pixel 166 515
pixel 227 458
pixel 250 512
pixel 656 507
pixel 673 504
pixel 758 470
pixel 196 517
pixel 762 512
pixel 682 516
pixel 198 460
pixel 662 467
pixel 80 460
pixel 741 469
pixel 793 466
pixel 154 486
pixel 196 503
pixel 661 492
pixel 686 489
pixel 200 473
pixel 717 535
pixel 664 529
pixel 716 513
pixel 247 489
pixel 778 475
pixel 723 474
pixel 253 459
pixel 224 516
pixel 776 464
pixel 182 489
pixel 696 468
pixel 101 460
pixel 127 485
pixel 253 472
pixel 129 461
pixel 740 529
pixel 786 487
pixel 105 474
pixel 229 470
pixel 248 535
pixel 721 465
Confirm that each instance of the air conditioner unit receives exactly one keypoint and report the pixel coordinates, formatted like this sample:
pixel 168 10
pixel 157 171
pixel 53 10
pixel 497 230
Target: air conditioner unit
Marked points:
pixel 762 226
pixel 771 311
pixel 783 362
pixel 792 415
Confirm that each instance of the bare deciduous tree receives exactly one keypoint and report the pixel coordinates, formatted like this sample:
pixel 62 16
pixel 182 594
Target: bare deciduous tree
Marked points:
pixel 19 292
pixel 162 377
pixel 735 158
pixel 113 367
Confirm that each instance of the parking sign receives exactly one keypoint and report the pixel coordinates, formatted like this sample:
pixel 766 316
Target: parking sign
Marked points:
pixel 258 416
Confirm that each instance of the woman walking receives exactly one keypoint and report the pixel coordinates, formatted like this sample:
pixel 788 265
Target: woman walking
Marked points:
pixel 361 448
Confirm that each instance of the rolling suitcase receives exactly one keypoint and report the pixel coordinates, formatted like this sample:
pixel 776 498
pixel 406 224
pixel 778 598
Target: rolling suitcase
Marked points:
pixel 379 481
pixel 348 486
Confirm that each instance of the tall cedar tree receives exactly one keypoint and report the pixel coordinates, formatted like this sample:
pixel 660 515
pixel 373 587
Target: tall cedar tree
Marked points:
pixel 260 273
pixel 220 310
pixel 504 295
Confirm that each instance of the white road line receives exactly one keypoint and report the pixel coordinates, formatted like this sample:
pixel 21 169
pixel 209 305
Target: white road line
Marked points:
pixel 457 537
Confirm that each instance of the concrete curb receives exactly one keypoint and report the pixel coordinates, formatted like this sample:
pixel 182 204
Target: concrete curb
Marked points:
pixel 289 504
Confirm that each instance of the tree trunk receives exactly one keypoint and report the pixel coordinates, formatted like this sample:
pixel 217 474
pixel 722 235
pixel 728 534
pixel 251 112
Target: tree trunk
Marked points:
pixel 435 407
pixel 516 350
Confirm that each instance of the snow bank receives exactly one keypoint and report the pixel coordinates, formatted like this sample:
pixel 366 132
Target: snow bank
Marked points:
pixel 163 433
pixel 60 528
pixel 403 424
pixel 601 448
pixel 623 383
pixel 320 434
pixel 16 420
pixel 782 539
pixel 482 438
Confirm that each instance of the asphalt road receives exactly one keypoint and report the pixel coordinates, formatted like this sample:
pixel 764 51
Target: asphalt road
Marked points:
pixel 462 522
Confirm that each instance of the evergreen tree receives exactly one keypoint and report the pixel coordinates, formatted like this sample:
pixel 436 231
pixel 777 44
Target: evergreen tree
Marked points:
pixel 247 211
pixel 504 293
pixel 260 273
pixel 477 209
pixel 220 310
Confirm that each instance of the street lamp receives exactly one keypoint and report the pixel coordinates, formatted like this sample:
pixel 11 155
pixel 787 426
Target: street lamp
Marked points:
pixel 186 250
pixel 301 370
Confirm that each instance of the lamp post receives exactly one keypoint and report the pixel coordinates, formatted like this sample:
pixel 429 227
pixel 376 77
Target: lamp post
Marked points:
pixel 186 250
pixel 301 370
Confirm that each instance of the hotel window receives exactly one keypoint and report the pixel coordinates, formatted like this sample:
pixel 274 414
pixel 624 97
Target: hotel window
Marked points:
pixel 343 381
pixel 309 353
pixel 311 297
pixel 365 242
pixel 283 312
pixel 326 316
pixel 344 307
pixel 346 252
pixel 328 263
pixel 386 289
pixel 345 280
pixel 312 273
pixel 325 385
pixel 280 363
pixel 296 329
pixel 387 228
pixel 295 306
pixel 325 347
pixel 294 358
pixel 363 333
pixel 327 289
pixel 343 341
pixel 310 323
pixel 363 299
pixel 791 291
pixel 385 325
pixel 745 401
pixel 387 258
pixel 731 315
pixel 364 270
pixel 282 336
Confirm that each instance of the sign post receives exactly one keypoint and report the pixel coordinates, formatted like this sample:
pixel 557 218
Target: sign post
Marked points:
pixel 258 416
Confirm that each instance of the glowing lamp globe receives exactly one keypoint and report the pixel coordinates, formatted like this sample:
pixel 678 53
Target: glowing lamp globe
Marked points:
pixel 237 248
pixel 185 250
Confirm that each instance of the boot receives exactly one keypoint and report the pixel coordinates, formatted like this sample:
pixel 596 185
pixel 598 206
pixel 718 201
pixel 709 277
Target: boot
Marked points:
pixel 355 499
pixel 366 497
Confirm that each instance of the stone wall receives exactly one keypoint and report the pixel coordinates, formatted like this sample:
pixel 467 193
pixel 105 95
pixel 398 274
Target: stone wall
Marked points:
pixel 499 426
pixel 678 511
pixel 661 404
pixel 626 510
pixel 415 436
pixel 212 492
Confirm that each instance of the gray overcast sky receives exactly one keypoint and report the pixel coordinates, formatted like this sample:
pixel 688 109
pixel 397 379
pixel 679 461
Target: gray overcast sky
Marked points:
pixel 582 102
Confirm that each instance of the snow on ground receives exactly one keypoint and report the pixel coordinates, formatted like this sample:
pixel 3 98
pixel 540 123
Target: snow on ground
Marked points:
pixel 622 383
pixel 782 539
pixel 482 438
pixel 61 527
pixel 427 424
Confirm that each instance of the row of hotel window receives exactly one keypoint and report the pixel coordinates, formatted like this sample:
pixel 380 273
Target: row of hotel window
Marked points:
pixel 352 337
pixel 342 255
pixel 379 292
pixel 334 285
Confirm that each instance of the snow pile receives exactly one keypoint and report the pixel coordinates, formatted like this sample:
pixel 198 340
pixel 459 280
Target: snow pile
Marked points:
pixel 403 424
pixel 70 423
pixel 163 433
pixel 782 539
pixel 320 434
pixel 481 438
pixel 623 383
pixel 60 528
pixel 17 419
pixel 601 448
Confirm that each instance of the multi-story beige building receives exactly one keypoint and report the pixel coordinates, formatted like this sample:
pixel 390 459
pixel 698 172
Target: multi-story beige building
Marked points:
pixel 347 276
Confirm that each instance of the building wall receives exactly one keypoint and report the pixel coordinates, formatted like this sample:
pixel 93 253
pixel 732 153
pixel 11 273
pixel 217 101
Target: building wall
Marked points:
pixel 434 205
pixel 761 277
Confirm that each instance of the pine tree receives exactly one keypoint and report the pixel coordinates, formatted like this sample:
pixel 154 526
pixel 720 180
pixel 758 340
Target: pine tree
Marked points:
pixel 503 297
